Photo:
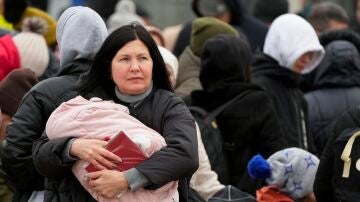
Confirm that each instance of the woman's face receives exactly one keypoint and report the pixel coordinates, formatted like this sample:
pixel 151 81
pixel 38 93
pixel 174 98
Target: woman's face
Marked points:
pixel 131 68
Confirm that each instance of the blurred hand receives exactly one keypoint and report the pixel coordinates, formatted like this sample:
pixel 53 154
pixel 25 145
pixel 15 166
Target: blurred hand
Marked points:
pixel 93 151
pixel 108 183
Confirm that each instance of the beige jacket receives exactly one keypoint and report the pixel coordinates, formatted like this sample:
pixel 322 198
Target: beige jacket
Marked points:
pixel 204 180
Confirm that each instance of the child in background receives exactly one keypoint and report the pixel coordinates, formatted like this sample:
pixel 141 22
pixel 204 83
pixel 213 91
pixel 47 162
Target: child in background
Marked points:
pixel 290 174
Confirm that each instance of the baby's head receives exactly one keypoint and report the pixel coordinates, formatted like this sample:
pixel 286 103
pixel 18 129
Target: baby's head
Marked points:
pixel 292 170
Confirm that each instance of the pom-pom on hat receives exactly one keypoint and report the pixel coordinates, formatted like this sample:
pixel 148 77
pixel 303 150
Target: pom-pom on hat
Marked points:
pixel 31 45
pixel 292 170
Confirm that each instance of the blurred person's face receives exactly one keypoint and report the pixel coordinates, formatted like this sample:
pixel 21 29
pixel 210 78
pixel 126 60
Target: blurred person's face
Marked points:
pixel 336 25
pixel 226 17
pixel 301 63
pixel 157 39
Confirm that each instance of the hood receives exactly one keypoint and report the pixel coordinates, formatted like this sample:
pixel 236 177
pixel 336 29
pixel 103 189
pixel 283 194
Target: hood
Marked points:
pixel 216 7
pixel 340 66
pixel 288 38
pixel 225 59
pixel 80 33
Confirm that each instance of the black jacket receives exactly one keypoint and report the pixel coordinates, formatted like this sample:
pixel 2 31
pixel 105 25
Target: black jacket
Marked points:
pixel 249 125
pixel 283 87
pixel 336 87
pixel 323 184
pixel 28 124
pixel 162 111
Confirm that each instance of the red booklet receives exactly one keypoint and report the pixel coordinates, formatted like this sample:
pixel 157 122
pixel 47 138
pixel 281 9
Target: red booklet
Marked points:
pixel 126 149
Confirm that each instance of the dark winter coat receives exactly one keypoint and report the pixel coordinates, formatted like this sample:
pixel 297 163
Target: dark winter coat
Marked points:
pixel 336 88
pixel 30 120
pixel 323 184
pixel 249 125
pixel 162 111
pixel 282 85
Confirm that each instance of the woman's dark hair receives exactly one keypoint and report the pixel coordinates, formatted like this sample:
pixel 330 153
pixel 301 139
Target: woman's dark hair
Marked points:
pixel 100 72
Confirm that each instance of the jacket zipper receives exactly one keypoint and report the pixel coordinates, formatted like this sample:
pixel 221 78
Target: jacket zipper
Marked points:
pixel 301 128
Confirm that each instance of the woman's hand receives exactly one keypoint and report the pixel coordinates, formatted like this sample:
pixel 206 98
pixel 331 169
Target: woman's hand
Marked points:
pixel 108 183
pixel 93 151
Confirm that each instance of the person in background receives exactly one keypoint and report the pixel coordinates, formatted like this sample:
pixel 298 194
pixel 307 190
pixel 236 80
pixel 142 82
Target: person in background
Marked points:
pixel 156 35
pixel 15 85
pixel 327 16
pixel 335 85
pixel 129 70
pixel 26 49
pixel 80 33
pixel 249 125
pixel 15 11
pixel 172 64
pixel 291 48
pixel 189 62
pixel 289 174
pixel 268 10
pixel 123 15
pixel 330 184
pixel 228 11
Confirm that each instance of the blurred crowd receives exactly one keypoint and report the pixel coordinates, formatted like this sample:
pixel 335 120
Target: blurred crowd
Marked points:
pixel 279 90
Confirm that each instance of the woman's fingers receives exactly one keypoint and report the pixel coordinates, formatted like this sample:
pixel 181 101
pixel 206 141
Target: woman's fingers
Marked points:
pixel 110 156
pixel 104 161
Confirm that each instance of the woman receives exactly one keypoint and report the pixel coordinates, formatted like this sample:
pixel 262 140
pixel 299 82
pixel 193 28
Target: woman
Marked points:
pixel 129 70
pixel 249 124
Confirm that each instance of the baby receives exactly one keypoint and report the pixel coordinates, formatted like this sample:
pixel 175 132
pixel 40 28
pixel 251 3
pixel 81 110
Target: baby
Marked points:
pixel 98 119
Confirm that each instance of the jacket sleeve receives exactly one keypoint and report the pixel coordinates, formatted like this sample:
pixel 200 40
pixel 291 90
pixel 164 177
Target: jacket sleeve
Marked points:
pixel 268 126
pixel 179 159
pixel 50 157
pixel 27 125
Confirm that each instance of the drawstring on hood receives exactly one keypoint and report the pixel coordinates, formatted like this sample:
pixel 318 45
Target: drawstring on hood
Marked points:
pixel 80 33
pixel 291 36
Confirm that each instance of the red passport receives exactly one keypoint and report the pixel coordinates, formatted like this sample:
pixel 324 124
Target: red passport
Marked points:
pixel 126 149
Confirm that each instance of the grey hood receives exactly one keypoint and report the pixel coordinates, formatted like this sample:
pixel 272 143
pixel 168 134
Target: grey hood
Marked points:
pixel 80 33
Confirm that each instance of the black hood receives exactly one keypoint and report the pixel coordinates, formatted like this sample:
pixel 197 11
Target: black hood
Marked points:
pixel 265 65
pixel 341 64
pixel 225 59
pixel 235 7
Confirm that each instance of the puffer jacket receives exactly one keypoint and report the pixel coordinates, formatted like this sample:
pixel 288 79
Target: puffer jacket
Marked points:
pixel 336 85
pixel 80 33
pixel 30 120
